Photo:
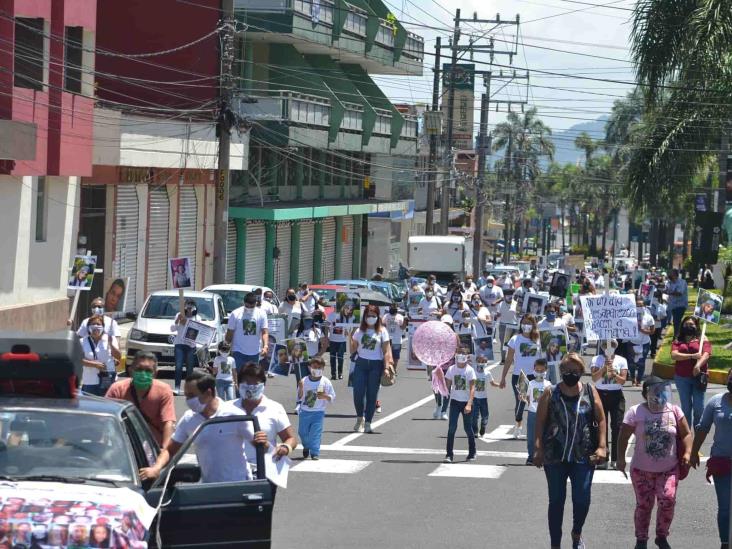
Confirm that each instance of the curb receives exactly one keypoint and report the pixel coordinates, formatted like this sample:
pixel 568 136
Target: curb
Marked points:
pixel 666 371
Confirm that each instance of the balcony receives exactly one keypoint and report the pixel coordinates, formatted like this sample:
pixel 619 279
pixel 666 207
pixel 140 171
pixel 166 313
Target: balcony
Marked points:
pixel 382 126
pixel 317 12
pixel 414 47
pixel 288 106
pixel 409 129
pixel 356 21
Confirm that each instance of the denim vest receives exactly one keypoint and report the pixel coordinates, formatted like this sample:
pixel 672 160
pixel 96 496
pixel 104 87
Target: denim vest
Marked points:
pixel 568 433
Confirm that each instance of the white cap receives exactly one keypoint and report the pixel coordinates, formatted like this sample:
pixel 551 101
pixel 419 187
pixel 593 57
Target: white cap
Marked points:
pixel 447 319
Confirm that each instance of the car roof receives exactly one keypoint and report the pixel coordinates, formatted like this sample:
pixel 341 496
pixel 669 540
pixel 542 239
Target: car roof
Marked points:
pixel 325 286
pixel 186 293
pixel 351 282
pixel 235 287
pixel 82 403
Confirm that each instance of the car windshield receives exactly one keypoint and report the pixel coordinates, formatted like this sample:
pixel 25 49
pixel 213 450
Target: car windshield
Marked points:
pixel 166 306
pixel 326 293
pixel 69 445
pixel 233 299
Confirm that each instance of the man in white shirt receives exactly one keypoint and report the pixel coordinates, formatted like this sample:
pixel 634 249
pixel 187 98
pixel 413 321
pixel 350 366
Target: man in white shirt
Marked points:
pixel 292 308
pixel 268 304
pixel 430 305
pixel 491 295
pixel 641 344
pixel 219 448
pixel 111 328
pixel 309 302
pixel 247 332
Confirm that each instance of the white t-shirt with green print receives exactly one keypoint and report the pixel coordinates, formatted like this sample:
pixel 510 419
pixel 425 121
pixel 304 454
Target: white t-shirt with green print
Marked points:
pixel 460 378
pixel 370 343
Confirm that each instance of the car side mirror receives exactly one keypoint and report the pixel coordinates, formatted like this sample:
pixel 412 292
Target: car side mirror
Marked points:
pixel 225 320
pixel 185 472
pixel 131 316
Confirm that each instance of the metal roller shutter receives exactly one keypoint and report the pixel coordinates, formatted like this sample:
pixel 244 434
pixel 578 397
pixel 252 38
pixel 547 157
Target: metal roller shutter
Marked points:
pixel 329 258
pixel 157 247
pixel 126 232
pixel 282 265
pixel 188 228
pixel 307 244
pixel 231 253
pixel 347 246
pixel 254 269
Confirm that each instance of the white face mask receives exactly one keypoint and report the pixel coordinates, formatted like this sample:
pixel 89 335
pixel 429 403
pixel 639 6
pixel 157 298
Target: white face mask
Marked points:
pixel 371 320
pixel 526 328
pixel 96 329
pixel 195 405
pixel 316 372
pixel 460 359
pixel 224 354
pixel 609 352
pixel 539 376
pixel 98 310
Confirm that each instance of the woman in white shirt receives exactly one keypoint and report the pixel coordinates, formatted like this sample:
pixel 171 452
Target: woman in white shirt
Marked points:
pixel 429 307
pixel 339 328
pixel 455 307
pixel 609 373
pixel 184 352
pixel 373 350
pixel 523 350
pixel 98 364
pixel 506 317
pixel 481 317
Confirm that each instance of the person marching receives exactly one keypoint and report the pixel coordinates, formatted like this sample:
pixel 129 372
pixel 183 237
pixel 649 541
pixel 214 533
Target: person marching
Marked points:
pixel 480 401
pixel 224 368
pixel 395 324
pixel 338 331
pixel 98 363
pixel 185 353
pixel 315 392
pixel 537 386
pixel 460 380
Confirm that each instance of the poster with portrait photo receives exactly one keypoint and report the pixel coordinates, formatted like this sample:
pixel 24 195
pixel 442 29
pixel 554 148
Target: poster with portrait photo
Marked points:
pixel 647 292
pixel 484 347
pixel 560 285
pixel 198 334
pixel 466 340
pixel 708 306
pixel 180 273
pixel 82 272
pixel 509 331
pixel 348 307
pixel 297 351
pixel 280 362
pixel 554 346
pixel 115 294
pixel 534 304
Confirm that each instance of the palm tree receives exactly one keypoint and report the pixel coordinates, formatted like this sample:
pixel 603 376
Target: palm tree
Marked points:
pixel 584 142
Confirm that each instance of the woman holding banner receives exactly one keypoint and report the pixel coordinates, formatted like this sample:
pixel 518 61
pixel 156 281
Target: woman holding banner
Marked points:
pixel 691 359
pixel 185 353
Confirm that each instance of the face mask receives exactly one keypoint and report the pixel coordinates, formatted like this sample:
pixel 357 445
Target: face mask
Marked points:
pixel 489 285
pixel 563 310
pixel 570 379
pixel 461 358
pixel 466 321
pixel 539 376
pixel 371 320
pixel 609 352
pixel 392 311
pixel 551 317
pixel 195 405
pixel 250 306
pixel 251 392
pixel 96 329
pixel 316 372
pixel 526 328
pixel 142 380
pixel 658 399
pixel 268 299
pixel 291 298
pixel 455 299
pixel 428 295
pixel 689 330
pixel 98 310
pixel 224 354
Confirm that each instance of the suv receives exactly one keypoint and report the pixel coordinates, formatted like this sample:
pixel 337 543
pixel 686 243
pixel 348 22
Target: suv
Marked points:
pixel 67 455
pixel 233 294
pixel 152 329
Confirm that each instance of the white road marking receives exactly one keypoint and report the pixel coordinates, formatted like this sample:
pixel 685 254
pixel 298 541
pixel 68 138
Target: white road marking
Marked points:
pixel 502 432
pixel 467 470
pixel 609 477
pixel 418 451
pixel 336 466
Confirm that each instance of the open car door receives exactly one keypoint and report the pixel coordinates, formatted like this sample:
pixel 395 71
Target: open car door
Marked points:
pixel 196 515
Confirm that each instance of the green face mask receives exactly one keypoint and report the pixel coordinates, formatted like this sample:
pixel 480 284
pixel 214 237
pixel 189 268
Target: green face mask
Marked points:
pixel 142 380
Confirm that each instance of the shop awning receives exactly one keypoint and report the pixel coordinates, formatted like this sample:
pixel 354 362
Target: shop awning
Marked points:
pixel 290 211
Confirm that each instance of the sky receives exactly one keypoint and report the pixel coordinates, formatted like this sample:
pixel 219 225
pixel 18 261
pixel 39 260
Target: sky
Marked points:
pixel 593 36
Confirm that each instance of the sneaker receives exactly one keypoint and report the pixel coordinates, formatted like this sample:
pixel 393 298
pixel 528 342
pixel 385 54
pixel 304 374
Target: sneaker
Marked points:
pixel 470 458
pixel 520 433
pixel 315 458
pixel 340 376
pixel 270 375
pixel 482 430
pixel 662 543
pixel 578 544
pixel 367 427
pixel 359 425
pixel 378 406
pixel 444 416
pixel 297 409
pixel 305 453
pixel 641 544
pixel 529 461
pixel 448 459
pixel 176 391
pixel 437 413
pixel 613 465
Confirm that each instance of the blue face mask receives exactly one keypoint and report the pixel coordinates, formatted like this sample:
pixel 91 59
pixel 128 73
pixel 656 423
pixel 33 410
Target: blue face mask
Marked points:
pixel 563 310
pixel 551 317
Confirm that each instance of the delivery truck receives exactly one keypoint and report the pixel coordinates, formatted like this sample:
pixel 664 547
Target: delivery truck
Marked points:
pixel 442 256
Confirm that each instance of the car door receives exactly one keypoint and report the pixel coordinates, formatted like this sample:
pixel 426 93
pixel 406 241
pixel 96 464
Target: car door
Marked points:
pixel 232 514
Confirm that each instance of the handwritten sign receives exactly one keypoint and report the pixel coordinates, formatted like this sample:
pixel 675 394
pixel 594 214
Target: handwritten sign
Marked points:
pixel 609 316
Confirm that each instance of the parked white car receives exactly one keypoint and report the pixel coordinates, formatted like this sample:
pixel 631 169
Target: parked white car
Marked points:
pixel 233 294
pixel 152 328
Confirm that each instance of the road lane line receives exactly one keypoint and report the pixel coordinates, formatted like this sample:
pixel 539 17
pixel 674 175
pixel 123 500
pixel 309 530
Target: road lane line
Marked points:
pixel 467 470
pixel 387 450
pixel 332 466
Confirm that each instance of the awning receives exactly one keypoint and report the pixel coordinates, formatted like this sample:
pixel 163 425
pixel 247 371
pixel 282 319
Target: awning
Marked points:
pixel 397 215
pixel 290 211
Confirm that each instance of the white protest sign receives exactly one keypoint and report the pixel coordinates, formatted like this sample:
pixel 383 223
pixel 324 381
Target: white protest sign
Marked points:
pixel 609 316
pixel 197 333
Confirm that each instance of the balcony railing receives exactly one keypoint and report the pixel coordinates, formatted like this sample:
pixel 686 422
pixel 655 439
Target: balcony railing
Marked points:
pixel 317 11
pixel 383 122
pixel 409 129
pixel 385 34
pixel 289 106
pixel 414 46
pixel 352 118
pixel 356 21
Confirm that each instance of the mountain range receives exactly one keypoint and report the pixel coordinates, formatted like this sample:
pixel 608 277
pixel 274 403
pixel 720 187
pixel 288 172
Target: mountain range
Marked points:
pixel 565 151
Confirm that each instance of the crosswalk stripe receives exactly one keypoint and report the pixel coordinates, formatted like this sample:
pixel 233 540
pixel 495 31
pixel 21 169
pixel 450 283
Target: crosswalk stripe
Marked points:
pixel 609 477
pixel 502 432
pixel 333 466
pixel 466 470
pixel 417 451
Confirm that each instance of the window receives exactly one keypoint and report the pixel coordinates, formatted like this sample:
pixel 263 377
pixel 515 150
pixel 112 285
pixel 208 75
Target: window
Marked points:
pixel 28 53
pixel 41 209
pixel 73 40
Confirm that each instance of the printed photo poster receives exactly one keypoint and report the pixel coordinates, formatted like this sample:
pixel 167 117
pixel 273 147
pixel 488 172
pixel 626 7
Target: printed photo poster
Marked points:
pixel 280 362
pixel 198 333
pixel 523 385
pixel 115 294
pixel 528 350
pixel 534 304
pixel 180 273
pixel 554 346
pixel 574 341
pixel 708 306
pixel 646 292
pixel 510 331
pixel 413 363
pixel 484 347
pixel 466 340
pixel 413 300
pixel 82 272
pixel 348 305
pixel 560 284
pixel 55 515
pixel 297 350
pixel 277 326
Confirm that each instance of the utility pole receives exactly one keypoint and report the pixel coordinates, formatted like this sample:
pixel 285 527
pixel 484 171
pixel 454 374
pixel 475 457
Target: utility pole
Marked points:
pixel 478 264
pixel 507 218
pixel 432 176
pixel 223 181
pixel 445 206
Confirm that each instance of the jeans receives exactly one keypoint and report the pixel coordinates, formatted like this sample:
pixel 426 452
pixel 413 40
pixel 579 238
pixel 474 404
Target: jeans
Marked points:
pixel 456 409
pixel 396 353
pixel 501 333
pixel 637 368
pixel 613 403
pixel 225 389
pixel 184 354
pixel 691 399
pixel 337 350
pixel 310 430
pixel 442 402
pixel 480 408
pixel 366 382
pixel 649 488
pixel 242 360
pixel 519 406
pixel 92 389
pixel 678 315
pixel 580 475
pixel 530 433
pixel 722 488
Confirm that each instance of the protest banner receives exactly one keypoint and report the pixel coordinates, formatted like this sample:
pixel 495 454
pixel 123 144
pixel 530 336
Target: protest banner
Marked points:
pixel 609 316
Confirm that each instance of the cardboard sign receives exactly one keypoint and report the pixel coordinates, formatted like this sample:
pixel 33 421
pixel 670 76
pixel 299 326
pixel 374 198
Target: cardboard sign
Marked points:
pixel 115 294
pixel 534 304
pixel 609 316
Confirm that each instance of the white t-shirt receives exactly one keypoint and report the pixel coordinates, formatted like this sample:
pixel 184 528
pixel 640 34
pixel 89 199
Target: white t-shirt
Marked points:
pixel 482 379
pixel 247 325
pixel 646 322
pixel 111 327
pixel 218 447
pixel 310 401
pixel 369 343
pixel 456 312
pixel 338 327
pixel 461 378
pixel 180 330
pixel 507 313
pixel 525 353
pixel 293 312
pixel 429 306
pixel 393 325
pixel 536 389
pixel 269 308
pixel 309 305
pixel 312 340
pixel 558 325
pixel 102 352
pixel 272 420
pixel 606 384
pixel 224 367
pixel 506 283
pixel 490 295
pixel 466 329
